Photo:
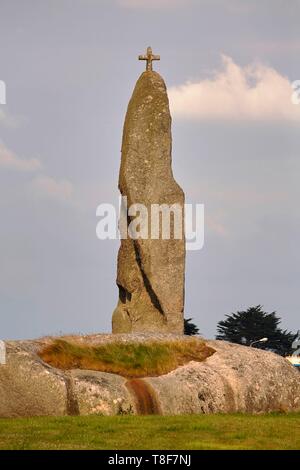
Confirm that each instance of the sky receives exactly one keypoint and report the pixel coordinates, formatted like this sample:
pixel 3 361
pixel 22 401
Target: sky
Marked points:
pixel 70 67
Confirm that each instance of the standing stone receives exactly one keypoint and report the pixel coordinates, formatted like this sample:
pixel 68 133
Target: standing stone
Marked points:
pixel 150 271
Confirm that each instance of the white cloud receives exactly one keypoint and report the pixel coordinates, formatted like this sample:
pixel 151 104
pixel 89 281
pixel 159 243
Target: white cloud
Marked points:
pixel 7 120
pixel 253 92
pixel 12 162
pixel 42 185
pixel 2 116
pixel 214 224
pixel 61 190
pixel 152 3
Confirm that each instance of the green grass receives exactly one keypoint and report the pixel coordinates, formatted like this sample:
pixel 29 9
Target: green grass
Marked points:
pixel 128 359
pixel 274 431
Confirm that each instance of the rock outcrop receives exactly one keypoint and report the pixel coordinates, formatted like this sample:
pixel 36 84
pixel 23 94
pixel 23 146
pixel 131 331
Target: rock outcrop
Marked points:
pixel 150 271
pixel 234 379
pixel 29 387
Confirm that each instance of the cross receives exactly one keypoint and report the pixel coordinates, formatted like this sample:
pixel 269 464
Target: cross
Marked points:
pixel 149 57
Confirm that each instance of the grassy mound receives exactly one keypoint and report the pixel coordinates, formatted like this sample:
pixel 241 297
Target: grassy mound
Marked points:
pixel 127 359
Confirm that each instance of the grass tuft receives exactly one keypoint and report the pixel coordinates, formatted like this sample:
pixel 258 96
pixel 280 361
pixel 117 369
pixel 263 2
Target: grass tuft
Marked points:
pixel 130 359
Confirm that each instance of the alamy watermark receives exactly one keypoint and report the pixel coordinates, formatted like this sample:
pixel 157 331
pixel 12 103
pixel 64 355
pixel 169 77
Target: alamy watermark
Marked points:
pixel 2 92
pixel 2 353
pixel 155 222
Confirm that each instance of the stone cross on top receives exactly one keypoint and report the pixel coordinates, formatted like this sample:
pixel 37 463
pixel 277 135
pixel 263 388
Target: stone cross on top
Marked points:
pixel 149 57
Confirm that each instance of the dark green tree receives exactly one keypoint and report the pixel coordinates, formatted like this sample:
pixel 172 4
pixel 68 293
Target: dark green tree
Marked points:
pixel 190 328
pixel 250 325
